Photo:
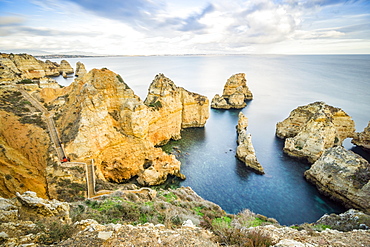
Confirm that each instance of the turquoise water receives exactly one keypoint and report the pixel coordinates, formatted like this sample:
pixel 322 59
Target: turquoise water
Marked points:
pixel 279 85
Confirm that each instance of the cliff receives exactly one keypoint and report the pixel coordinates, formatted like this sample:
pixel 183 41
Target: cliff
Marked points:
pixel 311 129
pixel 24 146
pixel 15 67
pixel 173 108
pixel 362 139
pixel 235 94
pixel 344 176
pixel 245 150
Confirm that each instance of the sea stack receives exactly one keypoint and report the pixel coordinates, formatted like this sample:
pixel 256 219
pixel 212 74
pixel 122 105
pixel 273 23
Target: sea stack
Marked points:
pixel 235 94
pixel 245 150
pixel 311 129
pixel 80 69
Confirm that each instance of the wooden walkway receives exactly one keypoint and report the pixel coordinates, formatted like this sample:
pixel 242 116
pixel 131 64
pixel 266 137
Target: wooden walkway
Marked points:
pixel 54 136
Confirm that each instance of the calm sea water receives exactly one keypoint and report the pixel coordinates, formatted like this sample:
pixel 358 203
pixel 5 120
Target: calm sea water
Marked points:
pixel 279 84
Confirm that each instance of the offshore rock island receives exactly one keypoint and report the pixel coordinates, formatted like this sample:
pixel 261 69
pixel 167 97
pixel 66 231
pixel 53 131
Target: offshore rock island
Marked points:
pixel 235 94
pixel 108 134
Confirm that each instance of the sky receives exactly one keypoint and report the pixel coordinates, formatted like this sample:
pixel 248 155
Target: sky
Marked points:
pixel 158 27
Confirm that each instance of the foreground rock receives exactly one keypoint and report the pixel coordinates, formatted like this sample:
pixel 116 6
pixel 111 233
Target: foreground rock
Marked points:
pixel 235 94
pixel 168 218
pixel 245 150
pixel 362 139
pixel 311 129
pixel 347 221
pixel 344 176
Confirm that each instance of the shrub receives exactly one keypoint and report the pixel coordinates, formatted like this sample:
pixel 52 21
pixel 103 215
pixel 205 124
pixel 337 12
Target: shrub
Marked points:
pixel 25 81
pixel 53 231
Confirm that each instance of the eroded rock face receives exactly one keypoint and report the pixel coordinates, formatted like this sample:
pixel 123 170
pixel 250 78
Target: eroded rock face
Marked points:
pixel 344 176
pixel 106 121
pixel 235 94
pixel 173 108
pixel 245 150
pixel 14 67
pixel 311 129
pixel 80 69
pixel 362 139
pixel 35 207
pixel 65 67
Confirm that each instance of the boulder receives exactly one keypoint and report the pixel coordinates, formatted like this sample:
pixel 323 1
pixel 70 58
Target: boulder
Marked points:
pixel 33 207
pixel 362 139
pixel 311 129
pixel 344 176
pixel 235 94
pixel 80 69
pixel 245 150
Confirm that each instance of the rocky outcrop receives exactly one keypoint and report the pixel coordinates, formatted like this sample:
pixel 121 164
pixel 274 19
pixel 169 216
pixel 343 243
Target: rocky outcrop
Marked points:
pixel 65 67
pixel 311 129
pixel 344 176
pixel 80 69
pixel 104 120
pixel 235 94
pixel 15 67
pixel 362 139
pixel 289 237
pixel 347 221
pixel 24 146
pixel 33 207
pixel 173 108
pixel 245 150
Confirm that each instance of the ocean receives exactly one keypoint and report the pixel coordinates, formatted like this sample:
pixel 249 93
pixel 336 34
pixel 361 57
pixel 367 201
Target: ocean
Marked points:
pixel 279 83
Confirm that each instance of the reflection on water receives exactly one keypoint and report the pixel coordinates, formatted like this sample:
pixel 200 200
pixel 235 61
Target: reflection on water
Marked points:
pixel 279 84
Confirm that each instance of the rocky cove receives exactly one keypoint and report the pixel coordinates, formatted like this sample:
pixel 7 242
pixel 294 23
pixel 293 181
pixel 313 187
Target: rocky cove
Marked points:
pixel 74 110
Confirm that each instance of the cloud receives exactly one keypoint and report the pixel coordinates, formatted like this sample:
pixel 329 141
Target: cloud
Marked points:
pixel 145 15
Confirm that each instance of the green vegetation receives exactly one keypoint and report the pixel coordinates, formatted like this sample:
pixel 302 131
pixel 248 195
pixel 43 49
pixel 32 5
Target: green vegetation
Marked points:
pixel 119 78
pixel 53 231
pixel 69 191
pixel 156 105
pixel 320 227
pixel 25 81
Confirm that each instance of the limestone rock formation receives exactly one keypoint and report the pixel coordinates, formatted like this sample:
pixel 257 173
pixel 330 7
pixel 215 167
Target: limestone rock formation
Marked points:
pixel 344 176
pixel 347 221
pixel 235 94
pixel 311 129
pixel 362 139
pixel 104 120
pixel 173 108
pixel 245 150
pixel 24 146
pixel 80 69
pixel 65 67
pixel 14 67
pixel 34 207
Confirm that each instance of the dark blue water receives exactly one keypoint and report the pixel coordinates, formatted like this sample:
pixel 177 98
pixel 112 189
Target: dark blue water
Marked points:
pixel 279 85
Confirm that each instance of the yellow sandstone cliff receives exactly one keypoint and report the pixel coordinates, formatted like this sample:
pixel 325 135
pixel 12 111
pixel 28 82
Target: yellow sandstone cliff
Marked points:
pixel 104 120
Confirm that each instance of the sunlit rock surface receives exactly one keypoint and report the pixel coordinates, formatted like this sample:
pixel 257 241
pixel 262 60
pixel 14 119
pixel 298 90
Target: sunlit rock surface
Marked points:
pixel 311 129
